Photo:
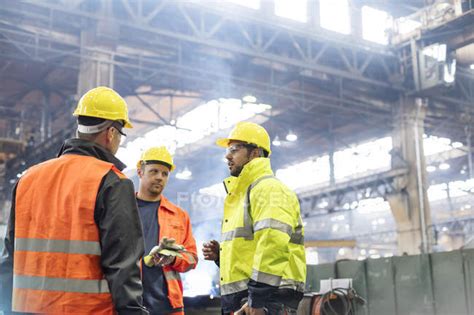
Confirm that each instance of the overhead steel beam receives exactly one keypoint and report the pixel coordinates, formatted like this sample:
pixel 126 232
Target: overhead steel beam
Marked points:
pixel 294 46
pixel 354 189
pixel 202 74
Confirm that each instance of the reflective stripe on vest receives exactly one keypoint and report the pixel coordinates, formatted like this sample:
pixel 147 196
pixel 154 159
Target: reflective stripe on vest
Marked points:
pixel 60 284
pixel 192 261
pixel 273 280
pixel 248 229
pixel 266 278
pixel 238 286
pixel 172 275
pixel 292 284
pixel 234 287
pixel 57 246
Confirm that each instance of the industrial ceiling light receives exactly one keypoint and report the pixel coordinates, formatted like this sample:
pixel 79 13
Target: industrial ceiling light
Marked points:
pixel 185 174
pixel 457 144
pixel 249 98
pixel 291 136
pixel 276 141
pixel 444 166
pixel 430 168
pixel 449 73
pixel 472 66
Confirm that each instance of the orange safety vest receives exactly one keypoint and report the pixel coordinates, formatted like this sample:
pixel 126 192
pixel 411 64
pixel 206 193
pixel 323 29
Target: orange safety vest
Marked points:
pixel 57 250
pixel 174 222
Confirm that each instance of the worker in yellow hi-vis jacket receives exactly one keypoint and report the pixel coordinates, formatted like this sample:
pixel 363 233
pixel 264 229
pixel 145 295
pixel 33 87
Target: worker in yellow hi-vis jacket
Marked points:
pixel 261 254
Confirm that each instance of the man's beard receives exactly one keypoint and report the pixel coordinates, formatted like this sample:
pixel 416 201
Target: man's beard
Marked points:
pixel 236 172
pixel 155 191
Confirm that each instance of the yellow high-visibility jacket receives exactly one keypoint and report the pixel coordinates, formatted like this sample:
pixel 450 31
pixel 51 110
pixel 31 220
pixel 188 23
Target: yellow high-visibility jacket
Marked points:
pixel 262 234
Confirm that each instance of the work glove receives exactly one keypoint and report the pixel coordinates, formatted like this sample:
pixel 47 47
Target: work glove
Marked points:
pixel 164 254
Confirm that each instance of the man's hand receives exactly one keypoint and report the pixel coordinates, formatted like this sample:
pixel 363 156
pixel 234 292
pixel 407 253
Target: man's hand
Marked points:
pixel 247 310
pixel 161 260
pixel 211 250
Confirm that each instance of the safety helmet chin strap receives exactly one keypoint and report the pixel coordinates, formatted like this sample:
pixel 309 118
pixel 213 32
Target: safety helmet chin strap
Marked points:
pixel 95 128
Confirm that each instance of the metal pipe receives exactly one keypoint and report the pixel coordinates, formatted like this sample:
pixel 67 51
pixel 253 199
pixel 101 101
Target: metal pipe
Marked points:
pixel 467 130
pixel 421 197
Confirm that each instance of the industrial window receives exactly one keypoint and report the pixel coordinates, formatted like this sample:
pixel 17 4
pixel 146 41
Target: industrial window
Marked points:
pixel 295 9
pixel 334 15
pixel 375 24
pixel 252 4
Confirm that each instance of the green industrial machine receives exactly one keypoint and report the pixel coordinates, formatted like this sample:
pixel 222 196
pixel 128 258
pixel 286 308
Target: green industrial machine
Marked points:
pixel 433 284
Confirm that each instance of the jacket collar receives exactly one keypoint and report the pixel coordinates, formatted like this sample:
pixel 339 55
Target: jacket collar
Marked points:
pixel 251 171
pixel 89 148
pixel 164 203
pixel 168 205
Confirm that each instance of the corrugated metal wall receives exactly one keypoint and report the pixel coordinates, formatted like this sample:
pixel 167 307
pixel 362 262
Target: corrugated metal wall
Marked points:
pixel 438 283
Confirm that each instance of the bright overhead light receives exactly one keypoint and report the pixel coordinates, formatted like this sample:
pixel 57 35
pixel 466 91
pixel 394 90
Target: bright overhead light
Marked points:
pixel 185 174
pixel 249 98
pixel 323 204
pixel 444 166
pixel 430 168
pixel 457 144
pixel 449 71
pixel 276 142
pixel 472 66
pixel 291 137
pixel 194 125
pixel 143 89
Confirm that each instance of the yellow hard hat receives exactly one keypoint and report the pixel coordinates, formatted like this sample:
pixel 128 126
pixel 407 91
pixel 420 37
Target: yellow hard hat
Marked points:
pixel 103 102
pixel 248 132
pixel 157 154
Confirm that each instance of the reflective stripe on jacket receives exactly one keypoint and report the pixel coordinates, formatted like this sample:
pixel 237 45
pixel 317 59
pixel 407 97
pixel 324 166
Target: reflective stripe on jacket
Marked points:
pixel 57 253
pixel 262 232
pixel 175 223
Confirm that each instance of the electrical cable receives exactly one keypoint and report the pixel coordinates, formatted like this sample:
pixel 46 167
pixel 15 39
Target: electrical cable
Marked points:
pixel 338 301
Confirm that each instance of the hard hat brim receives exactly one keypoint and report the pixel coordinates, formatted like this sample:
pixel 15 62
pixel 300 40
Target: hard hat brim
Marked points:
pixel 223 142
pixel 171 166
pixel 77 114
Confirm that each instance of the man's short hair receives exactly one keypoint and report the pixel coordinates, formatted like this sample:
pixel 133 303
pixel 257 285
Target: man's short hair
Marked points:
pixel 89 121
pixel 261 151
pixel 143 163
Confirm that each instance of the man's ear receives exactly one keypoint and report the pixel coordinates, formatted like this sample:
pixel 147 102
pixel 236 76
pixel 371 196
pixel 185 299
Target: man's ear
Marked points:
pixel 109 135
pixel 140 171
pixel 255 153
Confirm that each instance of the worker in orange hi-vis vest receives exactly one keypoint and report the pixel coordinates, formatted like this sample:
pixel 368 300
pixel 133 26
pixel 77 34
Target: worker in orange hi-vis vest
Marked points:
pixel 165 226
pixel 74 239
